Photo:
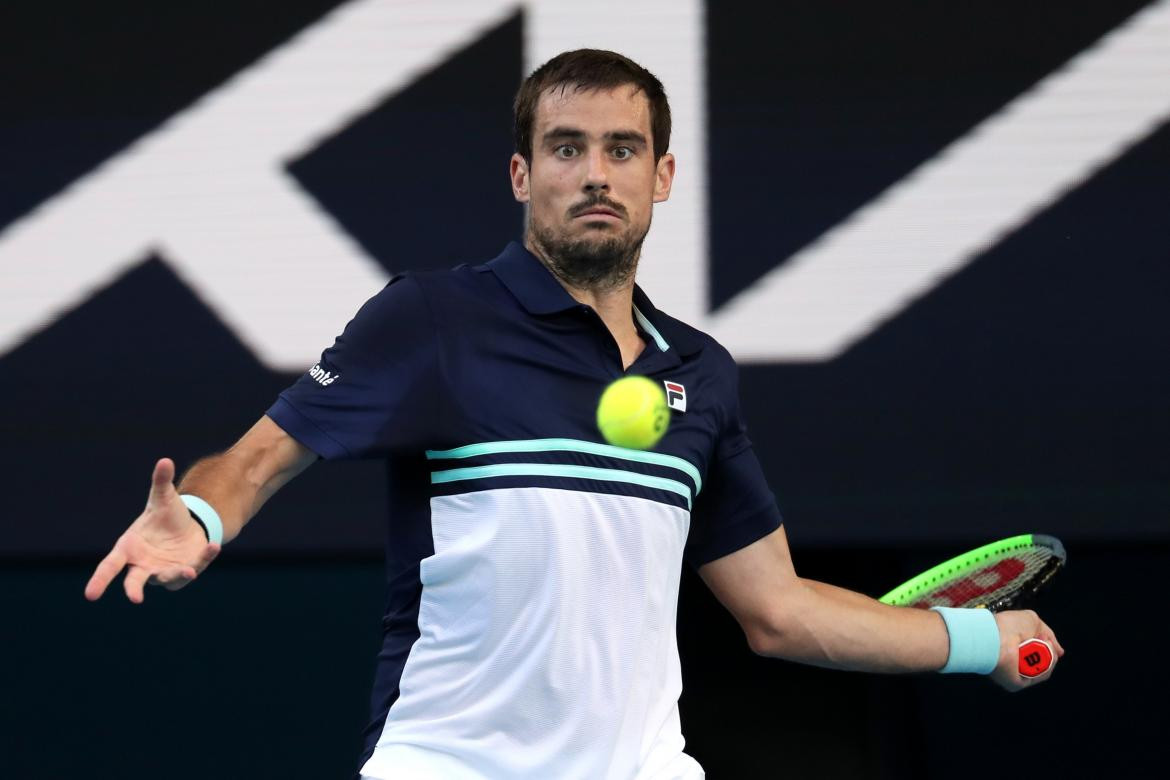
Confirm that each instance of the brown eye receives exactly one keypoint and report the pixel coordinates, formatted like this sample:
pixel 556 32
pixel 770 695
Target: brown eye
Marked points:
pixel 623 152
pixel 565 151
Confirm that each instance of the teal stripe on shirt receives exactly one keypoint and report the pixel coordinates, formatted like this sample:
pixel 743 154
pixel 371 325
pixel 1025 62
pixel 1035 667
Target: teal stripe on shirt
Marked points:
pixel 558 470
pixel 570 445
pixel 653 331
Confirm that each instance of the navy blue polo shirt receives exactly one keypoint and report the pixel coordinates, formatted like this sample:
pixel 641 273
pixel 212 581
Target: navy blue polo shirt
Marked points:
pixel 532 569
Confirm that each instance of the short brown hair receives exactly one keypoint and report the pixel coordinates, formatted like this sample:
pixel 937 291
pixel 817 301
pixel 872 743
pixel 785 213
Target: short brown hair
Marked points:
pixel 585 69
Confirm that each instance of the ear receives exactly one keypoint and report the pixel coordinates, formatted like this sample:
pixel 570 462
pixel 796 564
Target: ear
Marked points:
pixel 518 172
pixel 663 177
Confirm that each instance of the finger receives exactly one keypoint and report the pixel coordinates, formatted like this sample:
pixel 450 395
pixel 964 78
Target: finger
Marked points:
pixel 161 482
pixel 1050 635
pixel 177 577
pixel 136 578
pixel 174 577
pixel 207 556
pixel 104 573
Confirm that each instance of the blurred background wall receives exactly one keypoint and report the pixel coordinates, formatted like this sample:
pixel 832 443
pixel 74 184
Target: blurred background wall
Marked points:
pixel 935 235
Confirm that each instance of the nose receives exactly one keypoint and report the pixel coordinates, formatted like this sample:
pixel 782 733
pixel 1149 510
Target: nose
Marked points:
pixel 596 175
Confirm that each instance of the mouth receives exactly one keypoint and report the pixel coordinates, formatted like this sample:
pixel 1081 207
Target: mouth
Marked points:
pixel 600 213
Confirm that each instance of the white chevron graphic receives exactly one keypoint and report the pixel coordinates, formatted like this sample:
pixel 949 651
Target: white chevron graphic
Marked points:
pixel 956 206
pixel 208 191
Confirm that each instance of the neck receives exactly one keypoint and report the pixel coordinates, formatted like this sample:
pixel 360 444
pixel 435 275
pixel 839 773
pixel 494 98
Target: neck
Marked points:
pixel 613 303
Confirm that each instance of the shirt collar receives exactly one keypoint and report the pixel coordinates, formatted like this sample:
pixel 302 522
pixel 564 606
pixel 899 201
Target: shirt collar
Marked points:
pixel 539 292
pixel 664 329
pixel 533 285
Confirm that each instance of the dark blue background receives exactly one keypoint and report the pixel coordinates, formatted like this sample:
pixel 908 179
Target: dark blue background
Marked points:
pixel 1026 393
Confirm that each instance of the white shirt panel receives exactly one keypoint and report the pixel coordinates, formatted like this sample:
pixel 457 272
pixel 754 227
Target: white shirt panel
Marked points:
pixel 547 642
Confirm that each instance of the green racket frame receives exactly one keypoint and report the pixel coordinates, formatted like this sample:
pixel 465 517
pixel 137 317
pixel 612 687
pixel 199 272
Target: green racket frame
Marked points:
pixel 961 565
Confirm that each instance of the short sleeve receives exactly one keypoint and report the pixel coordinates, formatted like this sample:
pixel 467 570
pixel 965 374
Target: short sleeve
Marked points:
pixel 373 392
pixel 736 506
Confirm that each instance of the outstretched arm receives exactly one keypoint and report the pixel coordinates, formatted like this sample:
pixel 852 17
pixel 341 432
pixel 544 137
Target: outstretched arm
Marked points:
pixel 787 616
pixel 164 545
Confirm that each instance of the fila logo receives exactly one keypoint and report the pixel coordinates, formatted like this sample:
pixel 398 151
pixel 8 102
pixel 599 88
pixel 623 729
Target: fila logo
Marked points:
pixel 323 377
pixel 676 396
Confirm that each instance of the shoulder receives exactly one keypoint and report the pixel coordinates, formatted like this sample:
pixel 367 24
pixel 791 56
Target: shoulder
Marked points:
pixel 461 284
pixel 422 291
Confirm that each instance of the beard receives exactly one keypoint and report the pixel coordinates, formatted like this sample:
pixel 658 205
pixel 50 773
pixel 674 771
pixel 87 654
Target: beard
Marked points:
pixel 599 263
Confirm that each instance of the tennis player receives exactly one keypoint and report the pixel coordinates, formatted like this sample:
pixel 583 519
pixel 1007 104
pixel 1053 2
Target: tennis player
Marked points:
pixel 534 571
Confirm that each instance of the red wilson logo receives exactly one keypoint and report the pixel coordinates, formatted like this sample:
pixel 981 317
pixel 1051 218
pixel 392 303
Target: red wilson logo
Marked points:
pixel 981 583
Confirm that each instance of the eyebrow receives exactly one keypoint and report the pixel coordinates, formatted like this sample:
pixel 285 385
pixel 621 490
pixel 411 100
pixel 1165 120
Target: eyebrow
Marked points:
pixel 573 134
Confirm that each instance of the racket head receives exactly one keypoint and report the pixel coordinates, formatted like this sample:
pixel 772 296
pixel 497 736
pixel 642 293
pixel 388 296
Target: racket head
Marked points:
pixel 996 576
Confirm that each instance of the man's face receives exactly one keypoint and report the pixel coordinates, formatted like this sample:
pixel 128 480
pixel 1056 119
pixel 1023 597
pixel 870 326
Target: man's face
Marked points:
pixel 592 182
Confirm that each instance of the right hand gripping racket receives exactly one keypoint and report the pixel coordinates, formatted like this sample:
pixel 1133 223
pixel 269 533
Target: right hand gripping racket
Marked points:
pixel 996 576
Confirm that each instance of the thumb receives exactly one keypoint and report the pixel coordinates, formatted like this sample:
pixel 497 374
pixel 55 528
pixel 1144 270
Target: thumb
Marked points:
pixel 161 482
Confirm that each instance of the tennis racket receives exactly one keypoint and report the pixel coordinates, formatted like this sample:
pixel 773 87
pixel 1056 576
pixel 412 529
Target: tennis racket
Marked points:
pixel 997 576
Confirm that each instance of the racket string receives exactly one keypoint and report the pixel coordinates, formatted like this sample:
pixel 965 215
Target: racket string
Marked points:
pixel 996 584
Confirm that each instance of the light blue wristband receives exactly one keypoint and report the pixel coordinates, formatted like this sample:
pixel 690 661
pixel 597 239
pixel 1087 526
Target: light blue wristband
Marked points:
pixel 206 516
pixel 974 637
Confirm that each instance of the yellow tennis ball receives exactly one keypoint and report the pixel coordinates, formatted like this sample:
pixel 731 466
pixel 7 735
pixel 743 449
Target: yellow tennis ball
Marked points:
pixel 633 413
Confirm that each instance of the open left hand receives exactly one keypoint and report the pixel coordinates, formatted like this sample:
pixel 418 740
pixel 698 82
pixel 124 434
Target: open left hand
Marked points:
pixel 163 546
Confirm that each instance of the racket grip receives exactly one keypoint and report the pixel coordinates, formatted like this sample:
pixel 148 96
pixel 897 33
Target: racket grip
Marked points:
pixel 1035 658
